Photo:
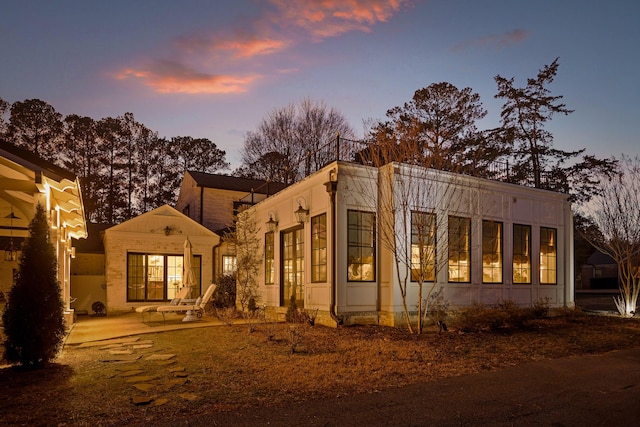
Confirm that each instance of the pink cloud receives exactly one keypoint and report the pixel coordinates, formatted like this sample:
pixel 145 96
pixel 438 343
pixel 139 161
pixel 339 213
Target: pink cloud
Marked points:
pixel 233 53
pixel 171 77
pixel 238 46
pixel 330 18
pixel 495 40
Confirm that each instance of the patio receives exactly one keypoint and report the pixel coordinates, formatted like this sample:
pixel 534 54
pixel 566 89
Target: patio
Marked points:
pixel 88 328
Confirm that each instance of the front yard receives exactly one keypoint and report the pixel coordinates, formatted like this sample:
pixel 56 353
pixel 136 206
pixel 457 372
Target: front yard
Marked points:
pixel 170 375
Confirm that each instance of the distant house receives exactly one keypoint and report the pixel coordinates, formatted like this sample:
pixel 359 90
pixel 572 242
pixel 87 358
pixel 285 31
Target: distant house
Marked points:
pixel 214 201
pixel 599 272
pixel 322 241
pixel 26 181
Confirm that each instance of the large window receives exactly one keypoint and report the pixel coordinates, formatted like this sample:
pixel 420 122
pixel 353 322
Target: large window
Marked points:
pixel 459 234
pixel 157 277
pixel 319 248
pixel 548 256
pixel 491 252
pixel 423 247
pixel 292 248
pixel 361 246
pixel 521 253
pixel 269 266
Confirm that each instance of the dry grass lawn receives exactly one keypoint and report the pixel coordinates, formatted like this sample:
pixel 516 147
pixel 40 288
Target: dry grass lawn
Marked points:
pixel 229 368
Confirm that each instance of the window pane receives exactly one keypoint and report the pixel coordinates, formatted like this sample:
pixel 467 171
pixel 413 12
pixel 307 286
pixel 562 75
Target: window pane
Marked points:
pixel 521 253
pixel 293 267
pixel 361 247
pixel 135 277
pixel 548 257
pixel 319 248
pixel 155 278
pixel 491 252
pixel 228 265
pixel 459 234
pixel 174 275
pixel 269 267
pixel 423 248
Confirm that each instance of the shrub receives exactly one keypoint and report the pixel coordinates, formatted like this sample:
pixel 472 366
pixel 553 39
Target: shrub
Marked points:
pixel 225 294
pixel 504 315
pixel 34 316
pixel 292 310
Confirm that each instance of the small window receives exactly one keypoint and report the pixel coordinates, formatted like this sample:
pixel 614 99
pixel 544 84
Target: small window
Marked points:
pixel 319 248
pixel 459 235
pixel 491 252
pixel 228 265
pixel 548 256
pixel 423 247
pixel 361 246
pixel 521 253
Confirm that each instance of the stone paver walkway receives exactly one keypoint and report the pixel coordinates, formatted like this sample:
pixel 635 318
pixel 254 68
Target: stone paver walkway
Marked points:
pixel 149 374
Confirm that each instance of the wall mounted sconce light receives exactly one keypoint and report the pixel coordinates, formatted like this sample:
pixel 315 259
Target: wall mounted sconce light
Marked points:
pixel 301 213
pixel 272 224
pixel 167 230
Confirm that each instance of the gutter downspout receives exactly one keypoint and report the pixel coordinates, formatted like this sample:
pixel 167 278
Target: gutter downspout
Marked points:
pixel 201 203
pixel 332 189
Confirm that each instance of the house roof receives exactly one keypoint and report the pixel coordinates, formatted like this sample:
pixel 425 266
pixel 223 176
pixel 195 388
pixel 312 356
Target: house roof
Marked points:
pixel 163 220
pixel 24 177
pixel 598 258
pixel 234 183
pixel 31 161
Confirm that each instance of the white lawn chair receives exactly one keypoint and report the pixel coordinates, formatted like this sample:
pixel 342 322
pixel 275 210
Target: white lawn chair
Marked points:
pixel 197 307
pixel 180 296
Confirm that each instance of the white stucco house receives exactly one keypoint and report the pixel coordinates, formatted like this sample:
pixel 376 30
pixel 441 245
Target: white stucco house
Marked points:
pixel 358 237
pixel 144 258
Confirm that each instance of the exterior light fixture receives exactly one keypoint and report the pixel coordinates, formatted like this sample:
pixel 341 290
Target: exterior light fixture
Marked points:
pixel 301 213
pixel 11 253
pixel 167 230
pixel 271 224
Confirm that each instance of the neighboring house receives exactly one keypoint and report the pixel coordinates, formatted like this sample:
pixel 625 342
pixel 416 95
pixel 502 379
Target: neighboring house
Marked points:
pixel 600 272
pixel 214 201
pixel 26 181
pixel 144 258
pixel 502 242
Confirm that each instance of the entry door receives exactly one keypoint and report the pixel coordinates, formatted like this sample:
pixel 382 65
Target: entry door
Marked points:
pixel 292 266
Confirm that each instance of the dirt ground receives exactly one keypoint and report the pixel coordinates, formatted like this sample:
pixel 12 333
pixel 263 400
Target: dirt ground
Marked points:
pixel 178 375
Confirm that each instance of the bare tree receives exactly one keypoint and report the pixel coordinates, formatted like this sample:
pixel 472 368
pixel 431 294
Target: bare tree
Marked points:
pixel 414 222
pixel 248 258
pixel 615 211
pixel 296 139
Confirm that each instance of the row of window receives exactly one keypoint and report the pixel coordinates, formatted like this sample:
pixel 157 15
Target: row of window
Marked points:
pixel 361 250
pixel 459 260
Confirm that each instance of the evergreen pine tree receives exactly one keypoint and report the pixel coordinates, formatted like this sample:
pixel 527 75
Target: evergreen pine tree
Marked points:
pixel 34 316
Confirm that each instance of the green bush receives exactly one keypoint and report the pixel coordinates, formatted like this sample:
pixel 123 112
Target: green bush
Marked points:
pixel 34 316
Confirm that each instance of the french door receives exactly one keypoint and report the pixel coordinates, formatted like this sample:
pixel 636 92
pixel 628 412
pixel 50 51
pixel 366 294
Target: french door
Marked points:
pixel 292 266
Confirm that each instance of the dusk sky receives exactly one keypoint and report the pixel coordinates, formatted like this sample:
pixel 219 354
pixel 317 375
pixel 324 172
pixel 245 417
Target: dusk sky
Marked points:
pixel 214 69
